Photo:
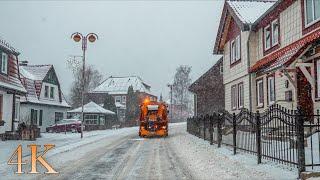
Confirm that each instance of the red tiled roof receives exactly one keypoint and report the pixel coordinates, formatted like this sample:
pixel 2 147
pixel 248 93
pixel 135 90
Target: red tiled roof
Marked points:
pixel 266 61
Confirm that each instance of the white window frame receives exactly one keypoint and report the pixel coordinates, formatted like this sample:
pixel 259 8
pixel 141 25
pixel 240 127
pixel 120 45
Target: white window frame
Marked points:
pixel 260 83
pixel 93 121
pixel 265 37
pixel 238 48
pixel 4 63
pixel 52 92
pixel 271 87
pixel 123 99
pixel 235 50
pixel 234 97
pixel 17 109
pixel 313 14
pixel 240 95
pixel 46 91
pixel 275 40
pixel 116 98
pixel 318 78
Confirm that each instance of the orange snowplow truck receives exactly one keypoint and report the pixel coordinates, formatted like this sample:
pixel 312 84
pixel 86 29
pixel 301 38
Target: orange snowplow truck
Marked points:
pixel 153 119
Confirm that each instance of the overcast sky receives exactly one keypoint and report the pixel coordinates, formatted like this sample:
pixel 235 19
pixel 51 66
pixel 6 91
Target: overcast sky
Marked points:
pixel 145 38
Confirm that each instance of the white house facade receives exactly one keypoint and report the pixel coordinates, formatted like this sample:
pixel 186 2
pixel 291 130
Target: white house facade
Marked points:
pixel 44 103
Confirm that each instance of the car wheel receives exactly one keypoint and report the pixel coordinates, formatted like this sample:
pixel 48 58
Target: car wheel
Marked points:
pixel 73 130
pixel 50 131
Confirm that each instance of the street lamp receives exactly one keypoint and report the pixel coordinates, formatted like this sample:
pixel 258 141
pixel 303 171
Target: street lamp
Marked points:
pixel 77 37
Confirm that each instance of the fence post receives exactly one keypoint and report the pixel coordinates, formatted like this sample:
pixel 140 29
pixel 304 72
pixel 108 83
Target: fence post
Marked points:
pixel 199 126
pixel 219 121
pixel 204 126
pixel 258 136
pixel 300 140
pixel 234 124
pixel 211 128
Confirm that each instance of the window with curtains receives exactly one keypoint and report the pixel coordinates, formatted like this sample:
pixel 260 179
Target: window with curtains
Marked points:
pixel 267 37
pixel 271 90
pixel 235 50
pixel 275 32
pixel 260 95
pixel 312 11
pixel 240 95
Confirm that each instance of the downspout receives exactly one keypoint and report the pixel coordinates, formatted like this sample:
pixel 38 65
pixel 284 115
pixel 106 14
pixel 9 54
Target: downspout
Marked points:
pixel 248 61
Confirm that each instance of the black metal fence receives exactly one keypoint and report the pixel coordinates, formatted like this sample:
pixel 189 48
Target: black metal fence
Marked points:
pixel 285 136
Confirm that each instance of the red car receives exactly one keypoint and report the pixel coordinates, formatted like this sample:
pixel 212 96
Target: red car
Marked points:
pixel 69 125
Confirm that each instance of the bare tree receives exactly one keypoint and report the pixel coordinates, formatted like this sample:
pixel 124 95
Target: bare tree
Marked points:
pixel 92 80
pixel 182 81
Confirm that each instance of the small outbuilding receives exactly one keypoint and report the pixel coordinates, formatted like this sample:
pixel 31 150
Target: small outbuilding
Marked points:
pixel 95 116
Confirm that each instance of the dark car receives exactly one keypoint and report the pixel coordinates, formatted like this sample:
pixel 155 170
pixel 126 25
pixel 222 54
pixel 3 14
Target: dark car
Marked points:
pixel 65 125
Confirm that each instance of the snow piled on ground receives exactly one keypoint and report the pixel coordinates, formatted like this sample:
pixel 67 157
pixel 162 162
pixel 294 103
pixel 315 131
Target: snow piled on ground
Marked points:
pixel 210 162
pixel 63 142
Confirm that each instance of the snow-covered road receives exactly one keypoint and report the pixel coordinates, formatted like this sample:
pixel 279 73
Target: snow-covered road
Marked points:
pixel 121 154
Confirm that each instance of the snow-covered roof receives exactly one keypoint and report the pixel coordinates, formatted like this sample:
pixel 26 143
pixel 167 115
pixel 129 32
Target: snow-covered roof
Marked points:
pixel 32 77
pixel 92 107
pixel 249 11
pixel 35 72
pixel 120 85
pixel 4 44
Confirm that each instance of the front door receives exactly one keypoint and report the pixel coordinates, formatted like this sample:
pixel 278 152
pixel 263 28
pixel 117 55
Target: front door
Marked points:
pixel 304 93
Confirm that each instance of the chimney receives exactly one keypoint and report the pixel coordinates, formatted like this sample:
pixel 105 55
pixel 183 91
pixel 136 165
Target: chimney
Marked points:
pixel 23 63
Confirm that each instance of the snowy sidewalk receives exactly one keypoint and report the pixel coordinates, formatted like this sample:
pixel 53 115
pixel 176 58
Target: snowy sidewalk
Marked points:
pixel 62 142
pixel 209 162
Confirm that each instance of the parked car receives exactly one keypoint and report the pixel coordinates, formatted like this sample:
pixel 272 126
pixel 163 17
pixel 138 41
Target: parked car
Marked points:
pixel 68 125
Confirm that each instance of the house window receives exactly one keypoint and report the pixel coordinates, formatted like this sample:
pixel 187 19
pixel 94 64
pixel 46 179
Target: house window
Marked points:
pixel 235 49
pixel 1 107
pixel 52 92
pixel 312 12
pixel 267 37
pixel 102 120
pixel 34 117
pixel 124 99
pixel 40 117
pixel 275 32
pixel 17 109
pixel 58 116
pixel 240 95
pixel 318 79
pixel 260 95
pixel 233 97
pixel 271 90
pixel 91 119
pixel 4 63
pixel 118 99
pixel 46 91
